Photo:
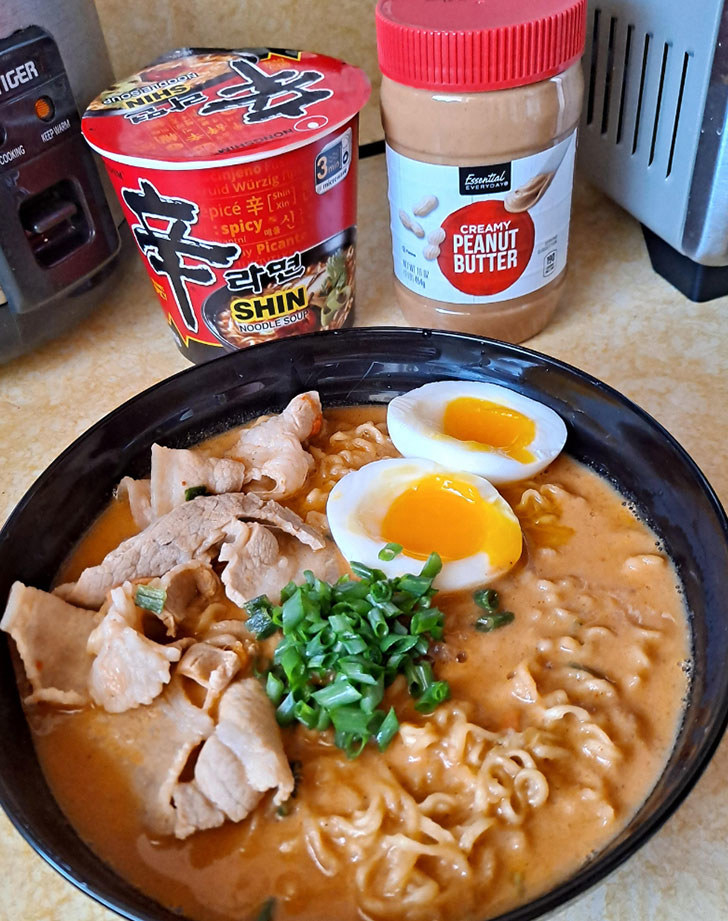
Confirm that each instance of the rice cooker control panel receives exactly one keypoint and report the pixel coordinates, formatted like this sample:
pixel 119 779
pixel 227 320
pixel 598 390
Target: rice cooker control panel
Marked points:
pixel 56 229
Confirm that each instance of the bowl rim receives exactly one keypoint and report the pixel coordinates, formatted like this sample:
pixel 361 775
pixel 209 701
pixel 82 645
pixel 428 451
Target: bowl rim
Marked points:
pixel 586 875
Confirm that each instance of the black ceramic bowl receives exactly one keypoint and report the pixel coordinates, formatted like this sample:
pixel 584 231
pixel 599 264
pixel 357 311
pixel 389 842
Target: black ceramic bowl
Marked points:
pixel 371 366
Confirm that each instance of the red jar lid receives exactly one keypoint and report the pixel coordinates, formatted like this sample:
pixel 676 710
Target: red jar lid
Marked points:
pixel 478 44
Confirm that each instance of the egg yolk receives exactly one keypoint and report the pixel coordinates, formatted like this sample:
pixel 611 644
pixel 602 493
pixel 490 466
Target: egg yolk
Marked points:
pixel 490 426
pixel 449 516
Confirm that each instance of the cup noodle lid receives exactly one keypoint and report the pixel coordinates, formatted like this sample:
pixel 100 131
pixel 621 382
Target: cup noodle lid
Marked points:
pixel 196 109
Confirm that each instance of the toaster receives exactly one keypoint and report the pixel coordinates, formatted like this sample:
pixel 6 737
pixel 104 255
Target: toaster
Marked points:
pixel 652 134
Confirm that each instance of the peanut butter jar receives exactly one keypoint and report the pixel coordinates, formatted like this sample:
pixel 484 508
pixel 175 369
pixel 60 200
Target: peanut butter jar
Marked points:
pixel 480 103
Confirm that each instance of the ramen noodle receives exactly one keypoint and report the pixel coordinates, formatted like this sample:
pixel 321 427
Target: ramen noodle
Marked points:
pixel 557 728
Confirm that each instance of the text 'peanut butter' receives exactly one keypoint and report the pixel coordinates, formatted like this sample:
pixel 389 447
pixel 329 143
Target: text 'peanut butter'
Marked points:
pixel 480 105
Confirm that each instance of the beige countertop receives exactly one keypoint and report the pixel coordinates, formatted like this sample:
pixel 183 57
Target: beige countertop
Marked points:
pixel 619 322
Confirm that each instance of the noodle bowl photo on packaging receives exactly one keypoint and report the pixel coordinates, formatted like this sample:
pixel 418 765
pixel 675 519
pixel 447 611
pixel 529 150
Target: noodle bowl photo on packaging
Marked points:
pixel 336 634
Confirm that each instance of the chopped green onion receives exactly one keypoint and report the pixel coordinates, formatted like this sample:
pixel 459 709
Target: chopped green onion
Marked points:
pixel 267 910
pixel 432 567
pixel 359 569
pixel 394 643
pixel 341 623
pixel 427 621
pixel 381 592
pixel 419 677
pixel 192 492
pixel 494 618
pixel 390 609
pixel 489 622
pixel 389 552
pixel 378 623
pixel 372 696
pixel 433 696
pixel 358 669
pixel 415 585
pixel 351 743
pixel 285 711
pixel 149 598
pixel 487 598
pixel 293 612
pixel 343 643
pixel 353 644
pixel 260 624
pixel 306 714
pixel 335 695
pixel 349 589
pixel 387 730
pixel 293 665
pixel 274 688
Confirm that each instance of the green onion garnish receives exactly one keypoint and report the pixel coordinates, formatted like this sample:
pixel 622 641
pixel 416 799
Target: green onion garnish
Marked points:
pixel 389 552
pixel 489 622
pixel 149 598
pixel 274 688
pixel 433 695
pixel 342 644
pixel 267 911
pixel 487 598
pixel 388 730
pixel 432 567
pixel 260 621
pixel 192 492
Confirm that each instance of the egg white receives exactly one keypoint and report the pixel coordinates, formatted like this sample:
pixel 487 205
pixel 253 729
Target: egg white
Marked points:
pixel 415 423
pixel 359 502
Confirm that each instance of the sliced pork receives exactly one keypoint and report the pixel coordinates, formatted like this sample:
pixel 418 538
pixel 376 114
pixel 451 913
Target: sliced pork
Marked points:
pixel 190 531
pixel 222 779
pixel 253 563
pixel 193 811
pixel 151 747
pixel 247 726
pixel 243 758
pixel 272 451
pixel 190 589
pixel 129 669
pixel 138 495
pixel 175 470
pixel 213 667
pixel 262 563
pixel 156 746
pixel 51 638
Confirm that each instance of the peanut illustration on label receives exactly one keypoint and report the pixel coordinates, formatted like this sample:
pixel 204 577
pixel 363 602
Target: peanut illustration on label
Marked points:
pixel 436 237
pixel 430 252
pixel 425 206
pixel 417 229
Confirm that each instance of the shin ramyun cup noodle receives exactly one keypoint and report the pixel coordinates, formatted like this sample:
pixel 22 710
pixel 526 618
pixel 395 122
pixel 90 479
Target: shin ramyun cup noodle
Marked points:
pixel 236 171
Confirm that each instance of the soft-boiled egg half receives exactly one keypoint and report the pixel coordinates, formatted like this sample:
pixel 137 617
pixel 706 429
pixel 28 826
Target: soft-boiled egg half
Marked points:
pixel 475 426
pixel 424 507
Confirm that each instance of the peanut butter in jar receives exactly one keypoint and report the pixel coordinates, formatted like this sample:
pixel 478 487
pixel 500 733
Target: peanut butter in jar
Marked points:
pixel 480 103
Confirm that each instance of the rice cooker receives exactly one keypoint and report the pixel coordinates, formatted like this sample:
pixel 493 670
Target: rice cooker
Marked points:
pixel 59 237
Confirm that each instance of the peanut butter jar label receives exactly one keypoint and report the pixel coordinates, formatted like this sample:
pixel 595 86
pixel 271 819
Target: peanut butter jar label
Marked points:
pixel 481 233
